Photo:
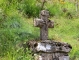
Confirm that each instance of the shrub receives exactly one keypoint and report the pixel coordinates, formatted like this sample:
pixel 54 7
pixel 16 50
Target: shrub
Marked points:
pixel 11 32
pixel 29 8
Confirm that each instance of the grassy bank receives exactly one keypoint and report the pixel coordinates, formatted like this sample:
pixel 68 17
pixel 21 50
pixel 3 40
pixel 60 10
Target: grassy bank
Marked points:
pixel 16 26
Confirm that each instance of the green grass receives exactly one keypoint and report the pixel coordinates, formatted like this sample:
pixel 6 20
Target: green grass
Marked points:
pixel 65 30
pixel 16 28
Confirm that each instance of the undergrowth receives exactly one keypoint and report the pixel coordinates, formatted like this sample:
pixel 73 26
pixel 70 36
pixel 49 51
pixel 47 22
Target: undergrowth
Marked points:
pixel 16 28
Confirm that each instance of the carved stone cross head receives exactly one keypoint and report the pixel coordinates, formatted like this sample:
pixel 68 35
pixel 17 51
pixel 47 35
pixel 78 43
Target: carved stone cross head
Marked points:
pixel 44 23
pixel 44 13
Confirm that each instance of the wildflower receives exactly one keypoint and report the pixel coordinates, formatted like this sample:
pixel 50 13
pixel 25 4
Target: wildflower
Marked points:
pixel 62 1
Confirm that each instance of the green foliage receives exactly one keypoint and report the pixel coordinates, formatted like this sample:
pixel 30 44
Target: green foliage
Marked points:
pixel 54 9
pixel 29 7
pixel 66 30
pixel 11 32
pixel 16 28
pixel 18 55
pixel 65 9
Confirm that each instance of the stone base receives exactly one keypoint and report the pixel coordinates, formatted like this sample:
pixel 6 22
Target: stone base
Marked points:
pixel 50 50
pixel 50 56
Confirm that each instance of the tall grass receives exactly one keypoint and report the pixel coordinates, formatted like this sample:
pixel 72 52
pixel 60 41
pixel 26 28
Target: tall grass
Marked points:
pixel 16 28
pixel 66 30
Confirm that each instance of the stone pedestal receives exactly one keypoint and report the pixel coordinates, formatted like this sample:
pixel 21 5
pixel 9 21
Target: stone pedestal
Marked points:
pixel 50 50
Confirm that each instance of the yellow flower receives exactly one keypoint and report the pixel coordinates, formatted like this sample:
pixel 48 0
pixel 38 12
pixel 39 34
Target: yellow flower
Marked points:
pixel 62 1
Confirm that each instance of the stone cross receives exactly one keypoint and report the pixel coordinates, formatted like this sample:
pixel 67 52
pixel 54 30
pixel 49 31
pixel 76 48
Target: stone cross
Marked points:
pixel 44 23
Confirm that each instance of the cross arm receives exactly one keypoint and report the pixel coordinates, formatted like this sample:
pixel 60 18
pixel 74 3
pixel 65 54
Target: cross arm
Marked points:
pixel 38 22
pixel 50 24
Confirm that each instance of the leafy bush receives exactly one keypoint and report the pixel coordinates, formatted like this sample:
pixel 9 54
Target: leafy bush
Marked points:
pixel 11 32
pixel 29 8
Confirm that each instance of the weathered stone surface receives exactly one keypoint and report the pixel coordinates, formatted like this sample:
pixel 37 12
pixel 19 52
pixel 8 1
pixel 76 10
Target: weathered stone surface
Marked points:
pixel 50 50
pixel 64 58
pixel 51 56
pixel 50 46
pixel 44 23
pixel 40 23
